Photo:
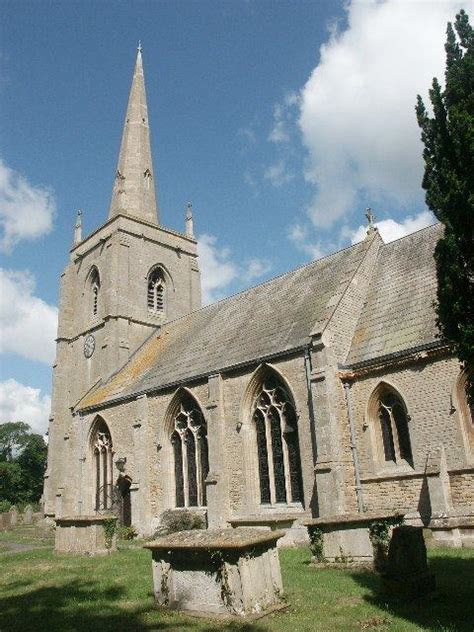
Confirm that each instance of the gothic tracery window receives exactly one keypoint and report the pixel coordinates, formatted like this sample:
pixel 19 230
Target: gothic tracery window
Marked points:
pixel 393 428
pixel 95 290
pixel 190 449
pixel 156 291
pixel 278 453
pixel 103 464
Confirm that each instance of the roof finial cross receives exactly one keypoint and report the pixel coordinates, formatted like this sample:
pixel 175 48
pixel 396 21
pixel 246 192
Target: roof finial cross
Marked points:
pixel 139 47
pixel 370 217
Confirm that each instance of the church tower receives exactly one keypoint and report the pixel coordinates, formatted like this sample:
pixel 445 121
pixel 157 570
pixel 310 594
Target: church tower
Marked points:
pixel 122 282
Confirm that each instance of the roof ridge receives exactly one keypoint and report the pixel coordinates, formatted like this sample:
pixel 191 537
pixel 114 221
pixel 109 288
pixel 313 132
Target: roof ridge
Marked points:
pixel 384 245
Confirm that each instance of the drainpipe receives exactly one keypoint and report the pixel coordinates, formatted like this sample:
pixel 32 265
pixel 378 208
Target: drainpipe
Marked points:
pixel 308 369
pixel 355 454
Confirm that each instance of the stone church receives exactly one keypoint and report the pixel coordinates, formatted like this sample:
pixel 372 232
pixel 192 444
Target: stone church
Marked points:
pixel 325 394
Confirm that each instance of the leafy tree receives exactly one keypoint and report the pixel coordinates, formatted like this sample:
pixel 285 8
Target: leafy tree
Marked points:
pixel 13 436
pixel 448 137
pixel 10 482
pixel 22 463
pixel 32 461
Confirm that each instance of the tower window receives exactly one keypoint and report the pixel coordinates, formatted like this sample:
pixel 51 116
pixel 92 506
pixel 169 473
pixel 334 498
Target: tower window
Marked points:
pixel 277 446
pixel 156 291
pixel 95 290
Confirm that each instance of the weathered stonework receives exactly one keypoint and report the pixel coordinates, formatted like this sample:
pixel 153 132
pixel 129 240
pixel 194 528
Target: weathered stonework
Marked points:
pixel 332 334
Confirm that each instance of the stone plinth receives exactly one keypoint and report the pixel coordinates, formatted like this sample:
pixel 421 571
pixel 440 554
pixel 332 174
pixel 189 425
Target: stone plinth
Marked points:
pixel 218 571
pixel 84 535
pixel 346 536
pixel 407 573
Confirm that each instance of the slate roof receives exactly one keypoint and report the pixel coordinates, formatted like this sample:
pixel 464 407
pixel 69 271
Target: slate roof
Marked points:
pixel 280 315
pixel 398 313
pixel 273 317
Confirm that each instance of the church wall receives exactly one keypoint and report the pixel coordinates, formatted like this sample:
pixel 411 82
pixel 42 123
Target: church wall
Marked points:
pixel 426 387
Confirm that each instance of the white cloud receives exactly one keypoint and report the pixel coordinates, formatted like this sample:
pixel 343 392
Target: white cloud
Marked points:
pixel 357 109
pixel 219 273
pixel 26 211
pixel 277 174
pixel 283 119
pixel 390 229
pixel 27 323
pixel 23 403
pixel 299 235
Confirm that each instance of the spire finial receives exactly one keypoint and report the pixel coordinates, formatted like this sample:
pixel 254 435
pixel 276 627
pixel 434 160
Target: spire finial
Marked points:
pixel 78 228
pixel 139 47
pixel 189 220
pixel 370 218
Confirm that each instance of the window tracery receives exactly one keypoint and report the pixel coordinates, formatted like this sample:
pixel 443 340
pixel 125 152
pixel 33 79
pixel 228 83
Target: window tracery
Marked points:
pixel 393 428
pixel 191 459
pixel 103 458
pixel 277 441
pixel 156 291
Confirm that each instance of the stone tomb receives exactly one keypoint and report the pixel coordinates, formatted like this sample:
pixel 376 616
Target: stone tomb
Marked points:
pixel 85 535
pixel 219 572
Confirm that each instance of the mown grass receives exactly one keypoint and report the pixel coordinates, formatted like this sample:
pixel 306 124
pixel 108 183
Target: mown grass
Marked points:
pixel 43 592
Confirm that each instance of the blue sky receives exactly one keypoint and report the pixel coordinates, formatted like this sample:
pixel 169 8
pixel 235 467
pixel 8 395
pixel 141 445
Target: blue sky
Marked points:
pixel 281 121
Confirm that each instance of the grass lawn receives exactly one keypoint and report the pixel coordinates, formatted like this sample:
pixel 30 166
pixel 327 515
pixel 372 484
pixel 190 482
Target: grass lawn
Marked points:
pixel 43 592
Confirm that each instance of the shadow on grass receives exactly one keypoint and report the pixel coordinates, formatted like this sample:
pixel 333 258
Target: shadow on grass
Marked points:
pixel 448 609
pixel 79 605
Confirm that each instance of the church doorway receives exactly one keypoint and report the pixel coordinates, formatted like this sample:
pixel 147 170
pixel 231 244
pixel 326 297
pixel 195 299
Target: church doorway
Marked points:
pixel 125 502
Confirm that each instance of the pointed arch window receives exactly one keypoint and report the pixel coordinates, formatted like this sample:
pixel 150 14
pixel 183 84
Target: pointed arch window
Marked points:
pixel 278 452
pixel 156 291
pixel 392 427
pixel 190 450
pixel 94 280
pixel 102 449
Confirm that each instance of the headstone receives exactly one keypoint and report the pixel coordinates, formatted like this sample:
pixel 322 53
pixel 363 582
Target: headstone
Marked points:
pixel 223 572
pixel 407 573
pixel 28 515
pixel 13 516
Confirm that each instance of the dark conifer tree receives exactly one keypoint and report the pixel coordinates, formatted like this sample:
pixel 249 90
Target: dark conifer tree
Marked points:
pixel 448 137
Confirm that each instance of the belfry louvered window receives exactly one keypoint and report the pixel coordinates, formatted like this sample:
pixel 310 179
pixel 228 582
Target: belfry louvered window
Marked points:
pixel 156 291
pixel 190 449
pixel 278 453
pixel 394 431
pixel 95 290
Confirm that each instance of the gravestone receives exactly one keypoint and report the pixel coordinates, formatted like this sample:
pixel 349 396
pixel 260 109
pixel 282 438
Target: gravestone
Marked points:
pixel 219 572
pixel 407 573
pixel 13 516
pixel 28 515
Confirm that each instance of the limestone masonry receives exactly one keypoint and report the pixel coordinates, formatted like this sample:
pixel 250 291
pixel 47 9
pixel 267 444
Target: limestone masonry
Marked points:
pixel 323 393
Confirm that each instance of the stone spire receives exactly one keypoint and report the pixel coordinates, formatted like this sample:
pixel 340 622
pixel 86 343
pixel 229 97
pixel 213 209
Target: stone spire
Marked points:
pixel 134 186
pixel 189 220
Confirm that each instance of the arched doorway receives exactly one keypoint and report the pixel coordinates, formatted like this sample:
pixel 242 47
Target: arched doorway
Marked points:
pixel 124 501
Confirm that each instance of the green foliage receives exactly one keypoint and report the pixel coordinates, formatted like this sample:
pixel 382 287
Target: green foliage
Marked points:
pixel 174 520
pixel 379 534
pixel 13 437
pixel 110 527
pixel 448 138
pixel 126 533
pixel 22 464
pixel 316 543
pixel 10 482
pixel 5 505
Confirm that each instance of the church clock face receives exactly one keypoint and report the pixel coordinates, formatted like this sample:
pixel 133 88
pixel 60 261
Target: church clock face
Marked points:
pixel 89 345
